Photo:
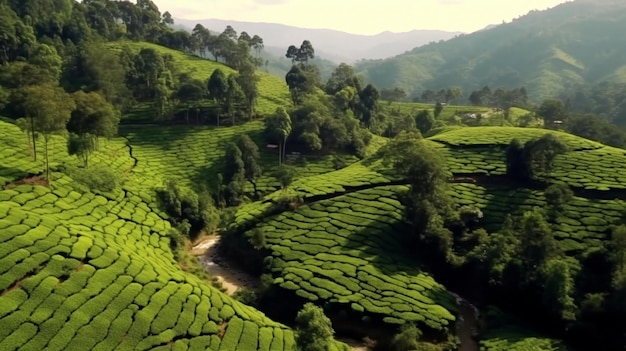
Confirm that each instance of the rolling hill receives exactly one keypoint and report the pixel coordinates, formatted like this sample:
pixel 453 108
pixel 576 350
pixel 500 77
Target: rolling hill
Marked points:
pixel 545 51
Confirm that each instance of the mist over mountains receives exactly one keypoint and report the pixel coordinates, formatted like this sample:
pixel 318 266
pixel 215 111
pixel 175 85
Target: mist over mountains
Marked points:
pixel 329 44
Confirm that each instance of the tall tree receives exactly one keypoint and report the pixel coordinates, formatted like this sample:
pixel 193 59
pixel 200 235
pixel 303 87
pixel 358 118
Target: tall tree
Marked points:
pixel 190 93
pixel 234 94
pixel 218 87
pixel 278 125
pixel 314 331
pixel 552 111
pixel 248 80
pixel 50 109
pixel 368 103
pixel 250 156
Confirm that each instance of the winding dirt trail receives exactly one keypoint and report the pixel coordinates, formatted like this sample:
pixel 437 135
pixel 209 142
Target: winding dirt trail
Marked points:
pixel 231 278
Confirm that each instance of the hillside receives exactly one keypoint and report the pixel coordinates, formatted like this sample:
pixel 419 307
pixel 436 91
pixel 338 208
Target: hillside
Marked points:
pixel 351 220
pixel 273 91
pixel 95 271
pixel 345 245
pixel 329 44
pixel 545 51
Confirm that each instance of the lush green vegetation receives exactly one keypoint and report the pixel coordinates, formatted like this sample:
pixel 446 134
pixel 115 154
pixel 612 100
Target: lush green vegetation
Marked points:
pixel 333 196
pixel 499 56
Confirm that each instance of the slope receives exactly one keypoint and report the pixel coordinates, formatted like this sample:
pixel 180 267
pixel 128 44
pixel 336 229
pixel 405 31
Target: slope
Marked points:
pixel 273 91
pixel 345 244
pixel 544 51
pixel 87 271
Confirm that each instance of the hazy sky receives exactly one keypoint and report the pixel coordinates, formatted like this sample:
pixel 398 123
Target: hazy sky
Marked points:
pixel 361 16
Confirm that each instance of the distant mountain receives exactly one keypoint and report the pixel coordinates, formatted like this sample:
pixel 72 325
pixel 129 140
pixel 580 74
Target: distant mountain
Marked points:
pixel 575 43
pixel 330 44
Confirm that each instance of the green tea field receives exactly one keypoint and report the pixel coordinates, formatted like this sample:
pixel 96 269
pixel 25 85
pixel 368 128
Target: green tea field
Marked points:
pixel 82 271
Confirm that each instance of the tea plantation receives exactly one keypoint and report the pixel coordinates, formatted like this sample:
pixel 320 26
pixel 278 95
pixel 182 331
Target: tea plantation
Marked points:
pixel 81 271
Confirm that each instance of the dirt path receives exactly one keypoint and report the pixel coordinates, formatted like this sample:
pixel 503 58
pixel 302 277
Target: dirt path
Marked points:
pixel 230 277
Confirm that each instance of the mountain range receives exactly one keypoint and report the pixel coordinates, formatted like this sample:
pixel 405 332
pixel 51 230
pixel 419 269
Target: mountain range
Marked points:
pixel 548 52
pixel 332 45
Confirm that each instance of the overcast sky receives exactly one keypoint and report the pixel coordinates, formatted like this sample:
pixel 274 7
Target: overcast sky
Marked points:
pixel 361 16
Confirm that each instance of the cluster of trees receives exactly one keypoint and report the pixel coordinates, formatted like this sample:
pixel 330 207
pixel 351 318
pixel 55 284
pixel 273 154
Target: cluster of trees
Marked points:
pixel 535 157
pixel 441 96
pixel 500 98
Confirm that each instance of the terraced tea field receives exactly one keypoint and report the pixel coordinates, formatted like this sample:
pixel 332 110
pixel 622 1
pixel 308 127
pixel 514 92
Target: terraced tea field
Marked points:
pixel 273 91
pixel 80 271
pixel 349 250
pixel 481 150
pixel 195 156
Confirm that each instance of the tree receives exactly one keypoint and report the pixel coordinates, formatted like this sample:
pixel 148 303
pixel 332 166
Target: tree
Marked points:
pixel 557 196
pixel 368 103
pixel 428 204
pixel 50 109
pixel 190 93
pixel 81 146
pixel 279 126
pixel 407 338
pixel 537 243
pixel 343 76
pixel 302 54
pixel 517 165
pixel 541 152
pixel 92 118
pixel 234 94
pixel 551 110
pixel 558 289
pixel 424 121
pixel 250 156
pixel 438 109
pixel 314 330
pixel 218 88
pixel 285 175
pixel 617 248
pixel 299 84
pixel 248 80
pixel 234 173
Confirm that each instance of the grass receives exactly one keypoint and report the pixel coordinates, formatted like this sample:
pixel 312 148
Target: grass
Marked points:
pixel 273 91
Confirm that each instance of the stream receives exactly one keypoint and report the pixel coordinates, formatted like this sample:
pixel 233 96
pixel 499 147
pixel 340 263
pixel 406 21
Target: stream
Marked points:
pixel 467 324
pixel 232 279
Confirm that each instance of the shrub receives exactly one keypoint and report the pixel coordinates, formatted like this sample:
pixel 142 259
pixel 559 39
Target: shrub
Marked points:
pixel 97 178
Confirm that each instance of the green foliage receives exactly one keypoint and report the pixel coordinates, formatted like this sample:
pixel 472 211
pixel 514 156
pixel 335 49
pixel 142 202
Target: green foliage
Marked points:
pixel 557 196
pixel 183 205
pixel 314 331
pixel 407 338
pixel 546 65
pixel 97 179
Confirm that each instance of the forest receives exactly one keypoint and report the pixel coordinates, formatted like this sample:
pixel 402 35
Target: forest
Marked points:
pixel 366 218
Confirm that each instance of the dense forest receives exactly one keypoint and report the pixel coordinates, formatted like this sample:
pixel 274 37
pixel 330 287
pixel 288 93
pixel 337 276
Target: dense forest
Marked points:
pixel 126 143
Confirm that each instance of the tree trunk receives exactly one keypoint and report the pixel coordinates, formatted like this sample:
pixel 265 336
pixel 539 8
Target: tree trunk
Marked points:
pixel 187 115
pixel 280 154
pixel 32 133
